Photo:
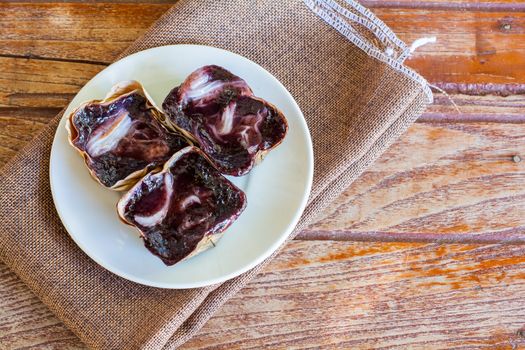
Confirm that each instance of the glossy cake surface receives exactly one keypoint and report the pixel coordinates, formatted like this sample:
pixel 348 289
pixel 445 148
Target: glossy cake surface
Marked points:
pixel 219 111
pixel 183 209
pixel 121 138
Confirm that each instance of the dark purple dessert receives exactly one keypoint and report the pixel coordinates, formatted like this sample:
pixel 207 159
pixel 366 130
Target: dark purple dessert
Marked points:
pixel 121 138
pixel 218 110
pixel 184 209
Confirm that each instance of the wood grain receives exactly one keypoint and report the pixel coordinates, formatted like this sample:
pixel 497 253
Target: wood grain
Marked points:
pixel 376 296
pixel 477 108
pixel 452 177
pixel 480 5
pixel 73 31
pixel 45 84
pixel 19 126
pixel 345 295
pixel 474 46
pixel 32 83
pixel 451 181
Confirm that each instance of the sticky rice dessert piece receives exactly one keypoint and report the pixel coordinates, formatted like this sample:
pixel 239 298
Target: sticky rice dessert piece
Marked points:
pixel 183 209
pixel 218 111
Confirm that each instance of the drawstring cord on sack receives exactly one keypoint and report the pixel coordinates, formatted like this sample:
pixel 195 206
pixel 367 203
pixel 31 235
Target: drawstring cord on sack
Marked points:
pixel 356 23
pixel 415 45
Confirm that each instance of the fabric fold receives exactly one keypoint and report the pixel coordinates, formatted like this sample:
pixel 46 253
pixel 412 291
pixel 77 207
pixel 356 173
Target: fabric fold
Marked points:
pixel 356 98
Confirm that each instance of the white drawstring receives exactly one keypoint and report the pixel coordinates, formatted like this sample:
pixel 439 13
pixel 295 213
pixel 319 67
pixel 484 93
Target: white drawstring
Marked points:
pixel 428 40
pixel 420 42
pixel 447 96
pixel 415 45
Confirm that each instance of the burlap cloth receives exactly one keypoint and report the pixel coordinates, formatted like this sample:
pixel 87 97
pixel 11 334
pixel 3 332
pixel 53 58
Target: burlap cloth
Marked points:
pixel 353 90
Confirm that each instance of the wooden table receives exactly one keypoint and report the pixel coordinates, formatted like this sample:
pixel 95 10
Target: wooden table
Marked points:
pixel 407 257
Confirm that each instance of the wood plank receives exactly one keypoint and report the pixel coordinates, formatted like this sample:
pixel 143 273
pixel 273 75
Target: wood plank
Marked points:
pixel 439 181
pixel 474 107
pixel 38 83
pixel 474 46
pixel 380 296
pixel 344 294
pixel 466 4
pixel 51 84
pixel 19 126
pixel 171 2
pixel 480 5
pixel 95 32
pixel 442 181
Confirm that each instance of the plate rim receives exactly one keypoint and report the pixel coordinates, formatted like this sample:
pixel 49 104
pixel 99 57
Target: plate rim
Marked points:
pixel 224 277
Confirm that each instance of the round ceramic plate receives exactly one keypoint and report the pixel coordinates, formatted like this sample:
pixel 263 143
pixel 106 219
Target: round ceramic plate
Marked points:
pixel 277 189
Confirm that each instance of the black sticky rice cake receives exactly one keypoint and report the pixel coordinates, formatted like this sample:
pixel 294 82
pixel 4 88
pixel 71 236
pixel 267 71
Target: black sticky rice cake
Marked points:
pixel 183 209
pixel 218 111
pixel 120 137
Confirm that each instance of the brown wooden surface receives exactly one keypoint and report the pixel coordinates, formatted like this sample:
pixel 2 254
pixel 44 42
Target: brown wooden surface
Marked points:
pixel 450 178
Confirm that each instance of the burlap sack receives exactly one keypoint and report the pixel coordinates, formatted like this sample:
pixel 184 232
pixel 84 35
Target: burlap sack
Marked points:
pixel 343 66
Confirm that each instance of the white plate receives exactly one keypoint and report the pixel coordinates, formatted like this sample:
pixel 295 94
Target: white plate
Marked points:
pixel 277 189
